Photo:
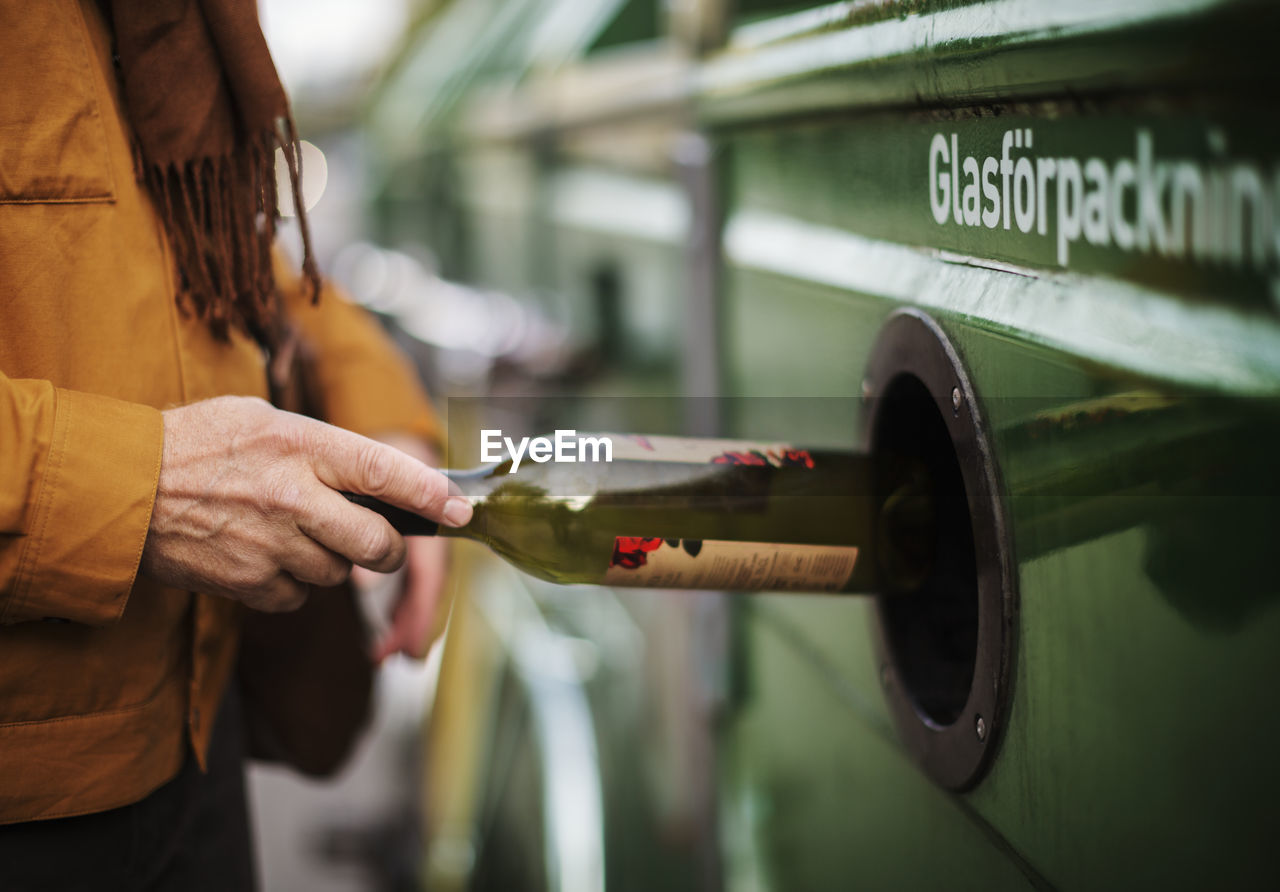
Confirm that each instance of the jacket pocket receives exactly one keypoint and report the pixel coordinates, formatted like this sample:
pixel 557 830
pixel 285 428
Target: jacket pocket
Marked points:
pixel 52 139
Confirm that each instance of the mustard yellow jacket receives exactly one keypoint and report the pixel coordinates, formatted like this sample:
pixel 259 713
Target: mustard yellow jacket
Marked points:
pixel 104 675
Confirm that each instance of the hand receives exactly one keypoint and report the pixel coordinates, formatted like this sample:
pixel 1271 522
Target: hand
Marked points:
pixel 247 504
pixel 416 608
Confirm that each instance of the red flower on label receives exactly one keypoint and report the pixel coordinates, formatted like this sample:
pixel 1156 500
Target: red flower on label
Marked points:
pixel 753 457
pixel 786 458
pixel 631 552
pixel 796 458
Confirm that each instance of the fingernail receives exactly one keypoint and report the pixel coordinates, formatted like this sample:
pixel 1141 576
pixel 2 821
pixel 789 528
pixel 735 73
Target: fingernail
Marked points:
pixel 457 512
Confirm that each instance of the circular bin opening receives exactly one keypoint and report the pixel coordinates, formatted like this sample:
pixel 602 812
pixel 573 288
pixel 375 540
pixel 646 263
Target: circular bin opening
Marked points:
pixel 945 650
pixel 933 632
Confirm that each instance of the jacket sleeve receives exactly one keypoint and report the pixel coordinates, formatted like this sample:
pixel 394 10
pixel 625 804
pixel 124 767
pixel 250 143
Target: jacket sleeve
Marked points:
pixel 365 383
pixel 78 476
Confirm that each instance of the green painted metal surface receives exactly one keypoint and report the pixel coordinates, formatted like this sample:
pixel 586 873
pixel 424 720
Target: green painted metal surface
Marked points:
pixel 816 793
pixel 1139 744
pixel 1138 753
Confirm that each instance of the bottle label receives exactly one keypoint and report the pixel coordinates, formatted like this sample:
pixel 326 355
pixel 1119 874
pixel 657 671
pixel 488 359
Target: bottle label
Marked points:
pixel 732 566
pixel 633 447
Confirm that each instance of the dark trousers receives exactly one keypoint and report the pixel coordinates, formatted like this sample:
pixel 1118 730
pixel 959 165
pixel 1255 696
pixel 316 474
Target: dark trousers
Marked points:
pixel 192 834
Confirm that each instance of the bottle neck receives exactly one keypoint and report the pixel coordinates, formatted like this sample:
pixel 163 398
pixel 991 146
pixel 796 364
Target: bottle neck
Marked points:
pixel 477 484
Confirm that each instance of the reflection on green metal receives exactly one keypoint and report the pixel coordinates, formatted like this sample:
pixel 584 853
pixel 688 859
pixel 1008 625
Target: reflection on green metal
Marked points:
pixel 946 53
pixel 1128 328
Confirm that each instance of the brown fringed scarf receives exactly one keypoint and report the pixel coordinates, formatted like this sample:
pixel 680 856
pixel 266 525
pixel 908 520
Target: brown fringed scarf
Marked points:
pixel 209 112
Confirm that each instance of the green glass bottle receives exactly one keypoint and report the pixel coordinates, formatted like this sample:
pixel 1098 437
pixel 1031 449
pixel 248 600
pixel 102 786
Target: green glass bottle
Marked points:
pixel 679 513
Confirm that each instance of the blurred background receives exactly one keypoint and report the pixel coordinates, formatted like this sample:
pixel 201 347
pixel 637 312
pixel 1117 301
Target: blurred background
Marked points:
pixel 703 217
pixel 380 92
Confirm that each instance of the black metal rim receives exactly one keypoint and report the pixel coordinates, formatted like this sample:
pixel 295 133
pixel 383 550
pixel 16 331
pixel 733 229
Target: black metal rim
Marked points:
pixel 958 754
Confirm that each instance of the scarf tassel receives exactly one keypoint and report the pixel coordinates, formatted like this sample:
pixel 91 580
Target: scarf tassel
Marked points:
pixel 221 214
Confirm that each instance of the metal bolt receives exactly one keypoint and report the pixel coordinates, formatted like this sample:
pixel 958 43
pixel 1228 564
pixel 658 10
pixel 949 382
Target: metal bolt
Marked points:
pixel 956 399
pixel 980 725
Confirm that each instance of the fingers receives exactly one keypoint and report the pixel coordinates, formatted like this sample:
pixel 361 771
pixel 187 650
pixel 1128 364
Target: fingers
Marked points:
pixel 410 628
pixel 344 460
pixel 415 614
pixel 312 563
pixel 281 594
pixel 357 534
